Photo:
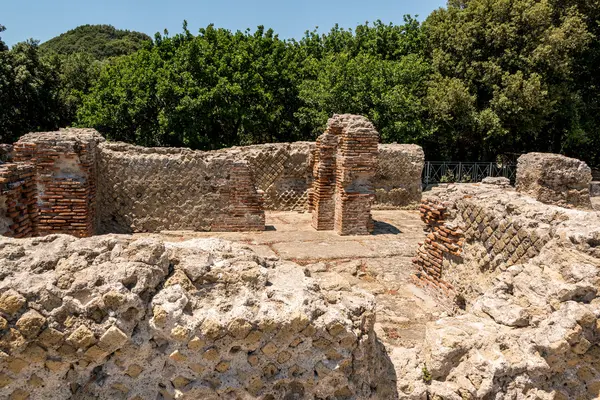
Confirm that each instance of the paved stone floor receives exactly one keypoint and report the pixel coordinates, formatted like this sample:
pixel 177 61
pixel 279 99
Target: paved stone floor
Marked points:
pixel 379 263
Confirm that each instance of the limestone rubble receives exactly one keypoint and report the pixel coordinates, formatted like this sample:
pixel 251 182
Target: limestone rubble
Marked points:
pixel 113 317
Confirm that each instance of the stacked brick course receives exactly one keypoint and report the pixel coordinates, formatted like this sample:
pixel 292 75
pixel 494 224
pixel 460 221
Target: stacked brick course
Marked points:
pixel 65 167
pixel 442 241
pixel 18 208
pixel 324 176
pixel 356 166
pixel 474 225
pixel 242 204
pixel 345 164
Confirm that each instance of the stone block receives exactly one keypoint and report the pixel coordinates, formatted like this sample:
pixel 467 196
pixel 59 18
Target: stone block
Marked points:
pixel 554 179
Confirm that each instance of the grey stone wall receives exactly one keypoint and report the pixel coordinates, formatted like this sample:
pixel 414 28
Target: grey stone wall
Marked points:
pixel 397 182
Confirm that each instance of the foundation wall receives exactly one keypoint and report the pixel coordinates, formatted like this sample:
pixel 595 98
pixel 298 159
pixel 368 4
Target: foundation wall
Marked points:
pixel 519 280
pixel 119 318
pixel 475 233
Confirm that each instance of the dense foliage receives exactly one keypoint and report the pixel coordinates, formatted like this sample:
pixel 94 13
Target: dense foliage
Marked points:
pixel 99 41
pixel 477 80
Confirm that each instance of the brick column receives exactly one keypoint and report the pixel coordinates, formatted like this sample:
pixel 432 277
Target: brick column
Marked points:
pixel 345 165
pixel 65 167
pixel 356 166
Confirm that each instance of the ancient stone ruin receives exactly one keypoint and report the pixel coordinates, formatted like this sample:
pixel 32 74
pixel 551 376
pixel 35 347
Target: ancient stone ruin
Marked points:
pixel 555 179
pixel 83 185
pixel 345 164
pixel 106 317
pixel 526 276
pixel 484 292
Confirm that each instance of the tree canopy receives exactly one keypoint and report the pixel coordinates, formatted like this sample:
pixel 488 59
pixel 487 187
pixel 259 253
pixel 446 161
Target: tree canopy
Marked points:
pixel 476 80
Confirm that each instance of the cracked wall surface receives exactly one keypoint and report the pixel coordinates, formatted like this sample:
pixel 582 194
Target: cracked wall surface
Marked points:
pixel 111 317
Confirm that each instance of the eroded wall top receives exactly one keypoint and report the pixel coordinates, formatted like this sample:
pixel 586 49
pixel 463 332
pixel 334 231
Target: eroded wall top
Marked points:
pixel 111 317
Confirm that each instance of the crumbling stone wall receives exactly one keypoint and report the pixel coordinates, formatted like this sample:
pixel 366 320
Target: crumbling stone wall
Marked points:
pixel 139 189
pixel 65 166
pixel 148 190
pixel 524 278
pixel 18 200
pixel 345 162
pixel 555 179
pixel 111 317
pixel 282 171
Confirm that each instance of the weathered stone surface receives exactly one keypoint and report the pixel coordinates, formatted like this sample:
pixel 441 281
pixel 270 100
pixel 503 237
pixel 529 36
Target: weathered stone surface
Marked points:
pixel 526 275
pixel 98 321
pixel 498 181
pixel 554 179
pixel 397 180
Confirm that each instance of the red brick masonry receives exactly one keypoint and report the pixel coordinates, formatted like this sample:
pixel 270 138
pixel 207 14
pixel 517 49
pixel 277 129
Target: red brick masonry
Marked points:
pixel 345 165
pixel 18 199
pixel 441 241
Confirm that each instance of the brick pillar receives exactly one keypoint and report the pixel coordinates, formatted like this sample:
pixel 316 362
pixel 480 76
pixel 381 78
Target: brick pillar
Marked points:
pixel 345 165
pixel 65 167
pixel 356 167
pixel 323 189
pixel 18 204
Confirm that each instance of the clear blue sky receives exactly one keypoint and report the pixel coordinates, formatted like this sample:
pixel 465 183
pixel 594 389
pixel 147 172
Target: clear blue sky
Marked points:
pixel 44 19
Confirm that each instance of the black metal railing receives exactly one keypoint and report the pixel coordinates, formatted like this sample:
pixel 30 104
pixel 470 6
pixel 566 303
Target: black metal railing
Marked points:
pixel 465 172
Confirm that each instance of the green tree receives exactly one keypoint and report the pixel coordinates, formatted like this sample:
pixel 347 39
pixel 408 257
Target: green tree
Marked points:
pixel 28 92
pixel 212 90
pixel 503 74
pixel 389 93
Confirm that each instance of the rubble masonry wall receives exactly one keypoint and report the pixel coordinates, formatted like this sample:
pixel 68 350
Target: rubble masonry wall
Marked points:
pixel 555 179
